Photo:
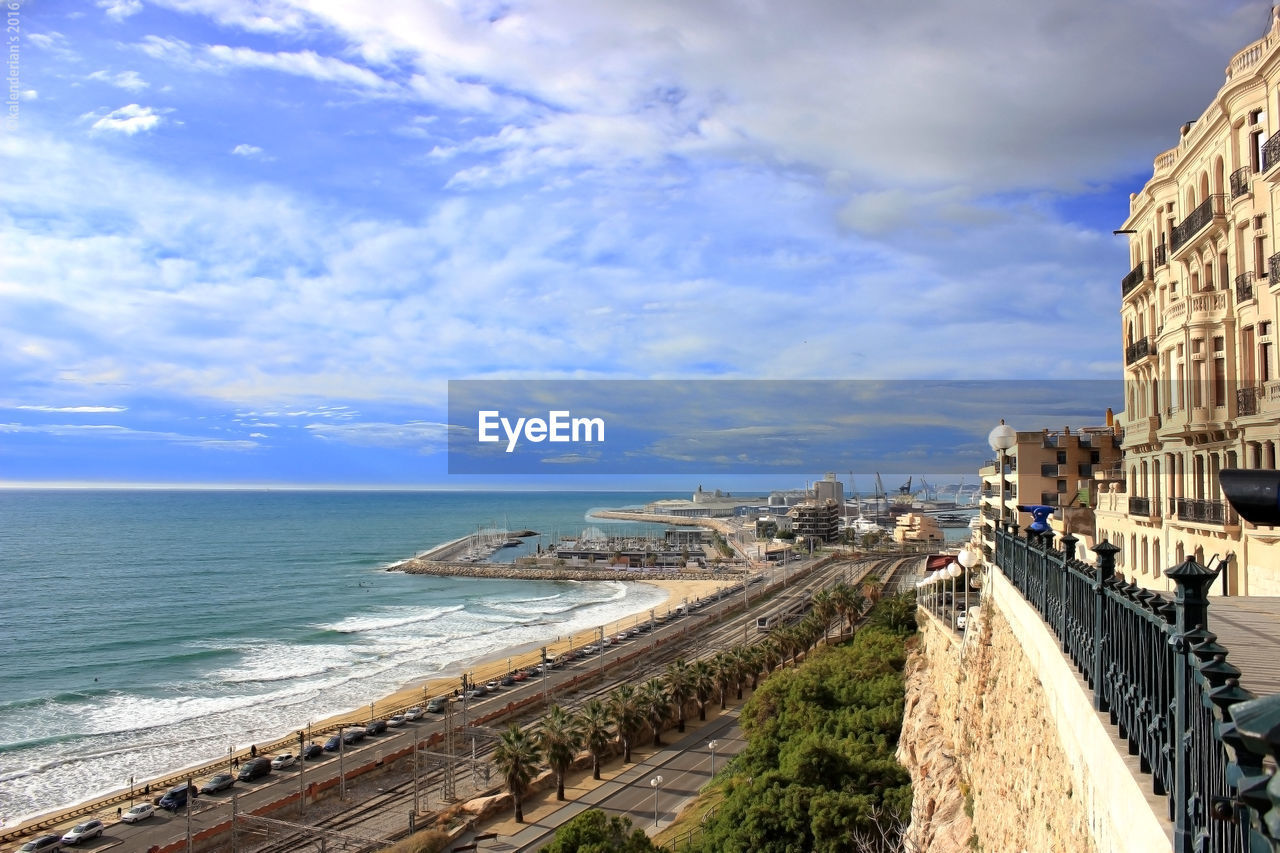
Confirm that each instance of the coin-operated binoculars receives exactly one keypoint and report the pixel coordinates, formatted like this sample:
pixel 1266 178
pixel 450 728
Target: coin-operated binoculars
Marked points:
pixel 1253 493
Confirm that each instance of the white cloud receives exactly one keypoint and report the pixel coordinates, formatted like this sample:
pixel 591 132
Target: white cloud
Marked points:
pixel 129 80
pixel 120 9
pixel 75 409
pixel 115 432
pixel 30 95
pixel 421 435
pixel 246 150
pixel 129 120
pixel 306 63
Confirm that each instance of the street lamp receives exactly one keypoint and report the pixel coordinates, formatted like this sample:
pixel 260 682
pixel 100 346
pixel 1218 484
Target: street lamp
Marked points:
pixel 1001 439
pixel 953 572
pixel 712 745
pixel 656 782
pixel 967 559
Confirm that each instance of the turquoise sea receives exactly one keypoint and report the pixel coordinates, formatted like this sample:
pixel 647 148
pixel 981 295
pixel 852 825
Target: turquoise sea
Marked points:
pixel 148 630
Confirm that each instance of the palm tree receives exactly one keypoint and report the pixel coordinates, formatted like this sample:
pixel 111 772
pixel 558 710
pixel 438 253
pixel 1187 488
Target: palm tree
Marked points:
pixel 679 689
pixel 624 708
pixel 770 654
pixel 656 704
pixel 594 720
pixel 723 666
pixel 704 684
pixel 846 600
pixel 872 587
pixel 823 609
pixel 517 758
pixel 754 657
pixel 561 739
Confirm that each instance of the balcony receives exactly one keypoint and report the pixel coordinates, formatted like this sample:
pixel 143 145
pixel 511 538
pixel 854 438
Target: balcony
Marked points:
pixel 1052 498
pixel 1197 220
pixel 1138 349
pixel 1271 152
pixel 1051 469
pixel 1131 281
pixel 1204 512
pixel 1240 182
pixel 1247 400
pixel 1273 268
pixel 1244 287
pixel 1140 506
pixel 1162 255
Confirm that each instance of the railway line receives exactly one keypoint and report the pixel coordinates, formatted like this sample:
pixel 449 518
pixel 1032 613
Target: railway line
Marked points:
pixel 722 624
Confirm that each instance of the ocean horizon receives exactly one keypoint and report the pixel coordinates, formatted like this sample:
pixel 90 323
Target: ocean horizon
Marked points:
pixel 151 629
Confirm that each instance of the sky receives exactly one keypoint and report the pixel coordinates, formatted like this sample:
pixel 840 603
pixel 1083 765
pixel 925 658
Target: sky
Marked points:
pixel 251 242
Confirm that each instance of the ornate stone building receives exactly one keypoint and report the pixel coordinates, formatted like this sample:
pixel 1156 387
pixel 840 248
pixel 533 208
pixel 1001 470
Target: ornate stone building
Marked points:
pixel 1199 310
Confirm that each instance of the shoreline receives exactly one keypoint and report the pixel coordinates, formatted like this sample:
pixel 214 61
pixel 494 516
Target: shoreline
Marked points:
pixel 486 667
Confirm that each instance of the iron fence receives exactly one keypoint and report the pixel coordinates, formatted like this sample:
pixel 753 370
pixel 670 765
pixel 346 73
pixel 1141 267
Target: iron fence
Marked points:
pixel 1208 745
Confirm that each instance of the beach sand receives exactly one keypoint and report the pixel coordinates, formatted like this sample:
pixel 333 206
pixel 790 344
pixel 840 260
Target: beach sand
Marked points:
pixel 417 694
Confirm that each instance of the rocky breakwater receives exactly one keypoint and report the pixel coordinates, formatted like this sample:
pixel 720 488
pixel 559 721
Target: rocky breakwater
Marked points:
pixel 516 571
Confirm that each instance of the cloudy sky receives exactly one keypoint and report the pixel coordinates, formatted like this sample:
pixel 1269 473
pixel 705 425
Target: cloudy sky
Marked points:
pixel 251 241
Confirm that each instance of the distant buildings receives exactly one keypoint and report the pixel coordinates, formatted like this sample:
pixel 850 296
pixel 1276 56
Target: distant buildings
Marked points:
pixel 1199 312
pixel 818 520
pixel 1059 469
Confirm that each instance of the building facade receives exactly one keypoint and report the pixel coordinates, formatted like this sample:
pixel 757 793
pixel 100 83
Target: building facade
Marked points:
pixel 817 520
pixel 1059 469
pixel 1199 309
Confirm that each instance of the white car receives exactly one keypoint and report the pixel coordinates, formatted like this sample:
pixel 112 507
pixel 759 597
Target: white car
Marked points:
pixel 413 714
pixel 84 831
pixel 142 811
pixel 396 721
pixel 961 620
pixel 283 760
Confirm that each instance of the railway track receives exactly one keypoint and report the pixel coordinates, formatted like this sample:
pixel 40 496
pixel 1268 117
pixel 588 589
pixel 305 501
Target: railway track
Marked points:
pixel 705 634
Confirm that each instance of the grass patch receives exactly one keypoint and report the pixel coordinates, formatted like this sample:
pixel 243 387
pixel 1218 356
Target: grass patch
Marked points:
pixel 691 818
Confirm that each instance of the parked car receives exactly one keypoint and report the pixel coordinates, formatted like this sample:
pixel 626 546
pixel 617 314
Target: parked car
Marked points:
pixel 437 703
pixel 220 782
pixel 396 721
pixel 333 744
pixel 507 680
pixel 376 727
pixel 176 797
pixel 355 735
pixel 44 842
pixel 413 714
pixel 141 811
pixel 520 675
pixel 283 760
pixel 961 620
pixel 311 751
pixel 84 831
pixel 491 687
pixel 254 768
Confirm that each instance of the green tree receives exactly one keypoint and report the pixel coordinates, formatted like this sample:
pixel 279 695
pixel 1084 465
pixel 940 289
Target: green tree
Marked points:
pixel 679 682
pixel 517 758
pixel 560 739
pixel 656 705
pixel 594 721
pixel 625 709
pixel 824 609
pixel 593 831
pixel 704 685
pixel 724 667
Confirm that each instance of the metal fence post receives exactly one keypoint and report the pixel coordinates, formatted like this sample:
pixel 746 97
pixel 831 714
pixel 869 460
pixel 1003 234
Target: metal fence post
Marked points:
pixel 1192 615
pixel 1105 570
pixel 1068 554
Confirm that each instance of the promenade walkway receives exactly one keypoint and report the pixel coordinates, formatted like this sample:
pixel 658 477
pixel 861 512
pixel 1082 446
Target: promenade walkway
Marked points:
pixel 1249 628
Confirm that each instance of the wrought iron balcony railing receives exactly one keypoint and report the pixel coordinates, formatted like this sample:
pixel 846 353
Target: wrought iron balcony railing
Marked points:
pixel 1240 181
pixel 1244 287
pixel 1247 399
pixel 1155 669
pixel 1273 267
pixel 1202 511
pixel 1138 349
pixel 1162 255
pixel 1132 280
pixel 1195 221
pixel 1140 506
pixel 1271 152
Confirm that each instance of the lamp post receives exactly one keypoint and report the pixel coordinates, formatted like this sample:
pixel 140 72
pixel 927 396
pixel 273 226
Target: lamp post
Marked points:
pixel 953 572
pixel 712 745
pixel 1001 439
pixel 656 782
pixel 967 559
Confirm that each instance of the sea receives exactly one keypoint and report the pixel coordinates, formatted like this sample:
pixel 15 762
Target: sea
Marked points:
pixel 143 631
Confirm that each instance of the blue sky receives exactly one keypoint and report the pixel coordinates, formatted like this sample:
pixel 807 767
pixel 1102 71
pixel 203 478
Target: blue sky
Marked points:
pixel 250 241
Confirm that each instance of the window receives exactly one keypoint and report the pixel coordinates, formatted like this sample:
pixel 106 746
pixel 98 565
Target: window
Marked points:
pixel 1256 141
pixel 1246 353
pixel 1062 457
pixel 1257 116
pixel 1264 362
pixel 1062 487
pixel 1260 256
pixel 1219 371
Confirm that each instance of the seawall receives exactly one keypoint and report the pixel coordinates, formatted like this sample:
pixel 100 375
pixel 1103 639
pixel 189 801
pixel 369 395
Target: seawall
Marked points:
pixel 1005 750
